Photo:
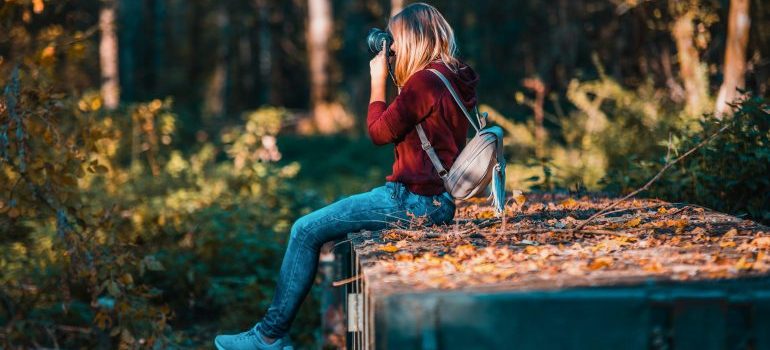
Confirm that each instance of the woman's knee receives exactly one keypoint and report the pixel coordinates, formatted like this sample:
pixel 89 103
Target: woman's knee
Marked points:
pixel 302 232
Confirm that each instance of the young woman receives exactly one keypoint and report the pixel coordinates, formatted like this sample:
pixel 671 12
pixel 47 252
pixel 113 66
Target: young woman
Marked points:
pixel 422 40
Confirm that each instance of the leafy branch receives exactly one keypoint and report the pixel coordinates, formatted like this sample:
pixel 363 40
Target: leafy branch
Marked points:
pixel 655 178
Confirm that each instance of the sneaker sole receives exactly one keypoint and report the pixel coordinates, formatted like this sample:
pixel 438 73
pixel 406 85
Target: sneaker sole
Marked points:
pixel 219 347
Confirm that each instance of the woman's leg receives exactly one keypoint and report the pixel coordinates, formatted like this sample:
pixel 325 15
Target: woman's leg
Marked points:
pixel 373 210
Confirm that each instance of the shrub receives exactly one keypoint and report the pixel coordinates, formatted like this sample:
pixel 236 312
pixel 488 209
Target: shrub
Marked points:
pixel 728 174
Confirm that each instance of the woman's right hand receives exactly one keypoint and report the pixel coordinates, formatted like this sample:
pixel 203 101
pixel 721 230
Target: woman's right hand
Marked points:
pixel 378 69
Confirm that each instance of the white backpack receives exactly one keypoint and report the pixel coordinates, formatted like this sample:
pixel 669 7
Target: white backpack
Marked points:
pixel 480 162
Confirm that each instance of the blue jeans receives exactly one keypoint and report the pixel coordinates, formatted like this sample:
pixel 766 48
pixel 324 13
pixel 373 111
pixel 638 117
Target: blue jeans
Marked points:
pixel 391 205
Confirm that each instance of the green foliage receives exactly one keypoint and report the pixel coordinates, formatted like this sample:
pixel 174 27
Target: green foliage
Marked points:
pixel 609 126
pixel 112 235
pixel 729 174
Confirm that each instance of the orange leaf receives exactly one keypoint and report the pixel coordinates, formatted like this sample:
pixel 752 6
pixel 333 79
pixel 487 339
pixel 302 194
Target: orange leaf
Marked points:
pixel 742 264
pixel 569 203
pixel 389 248
pixel 727 244
pixel 633 222
pixel 520 199
pixel 600 263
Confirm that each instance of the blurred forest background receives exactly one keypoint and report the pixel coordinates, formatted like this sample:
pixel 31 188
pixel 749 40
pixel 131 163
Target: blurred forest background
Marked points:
pixel 156 152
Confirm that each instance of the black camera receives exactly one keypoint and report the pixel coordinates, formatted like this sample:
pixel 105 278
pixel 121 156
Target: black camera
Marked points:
pixel 376 38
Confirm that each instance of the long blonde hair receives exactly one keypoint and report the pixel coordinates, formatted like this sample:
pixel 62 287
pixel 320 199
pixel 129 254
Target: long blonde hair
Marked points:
pixel 421 35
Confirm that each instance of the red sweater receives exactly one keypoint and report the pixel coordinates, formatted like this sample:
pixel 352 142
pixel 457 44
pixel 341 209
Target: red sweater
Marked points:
pixel 424 98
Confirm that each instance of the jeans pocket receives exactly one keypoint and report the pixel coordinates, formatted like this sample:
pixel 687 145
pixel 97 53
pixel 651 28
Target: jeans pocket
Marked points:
pixel 445 212
pixel 393 190
pixel 437 209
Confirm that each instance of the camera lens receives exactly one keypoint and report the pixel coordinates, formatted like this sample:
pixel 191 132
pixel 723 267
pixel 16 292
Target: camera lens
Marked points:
pixel 376 38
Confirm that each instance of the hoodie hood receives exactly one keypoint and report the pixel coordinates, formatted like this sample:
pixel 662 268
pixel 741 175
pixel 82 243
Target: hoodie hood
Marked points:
pixel 464 80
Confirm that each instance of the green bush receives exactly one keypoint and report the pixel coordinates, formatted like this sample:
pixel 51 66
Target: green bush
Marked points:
pixel 731 173
pixel 115 237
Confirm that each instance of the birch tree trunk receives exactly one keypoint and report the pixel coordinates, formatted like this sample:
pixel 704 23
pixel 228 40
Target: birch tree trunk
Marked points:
pixel 319 31
pixel 692 72
pixel 108 56
pixel 735 56
pixel 396 6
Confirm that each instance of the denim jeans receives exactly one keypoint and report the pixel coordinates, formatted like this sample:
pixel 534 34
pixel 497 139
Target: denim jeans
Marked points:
pixel 387 206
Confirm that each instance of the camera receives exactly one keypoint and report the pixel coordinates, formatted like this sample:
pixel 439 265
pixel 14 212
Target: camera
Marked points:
pixel 376 38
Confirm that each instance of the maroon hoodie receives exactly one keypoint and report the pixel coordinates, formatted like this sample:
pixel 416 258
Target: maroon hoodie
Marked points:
pixel 424 98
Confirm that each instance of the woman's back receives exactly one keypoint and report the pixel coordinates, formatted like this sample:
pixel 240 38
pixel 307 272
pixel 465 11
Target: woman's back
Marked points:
pixel 424 99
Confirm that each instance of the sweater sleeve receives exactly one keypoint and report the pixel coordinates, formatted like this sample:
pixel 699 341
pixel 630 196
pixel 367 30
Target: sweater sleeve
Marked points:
pixel 387 124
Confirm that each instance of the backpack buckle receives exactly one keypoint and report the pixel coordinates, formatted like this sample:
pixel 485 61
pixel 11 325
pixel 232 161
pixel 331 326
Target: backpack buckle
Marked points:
pixel 426 146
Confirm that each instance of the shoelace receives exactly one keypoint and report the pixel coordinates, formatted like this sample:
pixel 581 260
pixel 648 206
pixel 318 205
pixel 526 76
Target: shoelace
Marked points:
pixel 248 334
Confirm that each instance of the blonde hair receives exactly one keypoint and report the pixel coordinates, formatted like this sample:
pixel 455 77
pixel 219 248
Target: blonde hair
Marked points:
pixel 421 35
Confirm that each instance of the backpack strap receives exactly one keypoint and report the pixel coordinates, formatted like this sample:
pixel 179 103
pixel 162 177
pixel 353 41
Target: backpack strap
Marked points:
pixel 428 148
pixel 457 99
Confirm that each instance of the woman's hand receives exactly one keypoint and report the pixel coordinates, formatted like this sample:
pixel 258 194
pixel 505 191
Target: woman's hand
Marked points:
pixel 378 69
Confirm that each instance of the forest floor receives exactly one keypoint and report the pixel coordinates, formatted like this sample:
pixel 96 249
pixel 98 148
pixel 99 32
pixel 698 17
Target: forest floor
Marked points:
pixel 536 247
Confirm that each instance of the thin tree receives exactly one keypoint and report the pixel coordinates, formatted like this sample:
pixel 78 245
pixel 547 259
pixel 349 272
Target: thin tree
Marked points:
pixel 396 6
pixel 216 92
pixel 319 32
pixel 735 55
pixel 691 70
pixel 108 56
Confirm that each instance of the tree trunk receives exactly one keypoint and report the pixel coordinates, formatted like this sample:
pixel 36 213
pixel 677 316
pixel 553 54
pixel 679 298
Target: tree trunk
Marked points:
pixel 159 46
pixel 537 86
pixel 130 25
pixel 264 51
pixel 108 56
pixel 319 31
pixel 396 6
pixel 216 94
pixel 691 70
pixel 735 56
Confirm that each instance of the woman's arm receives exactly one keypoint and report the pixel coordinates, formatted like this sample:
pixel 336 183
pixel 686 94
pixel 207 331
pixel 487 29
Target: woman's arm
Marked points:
pixel 378 69
pixel 386 124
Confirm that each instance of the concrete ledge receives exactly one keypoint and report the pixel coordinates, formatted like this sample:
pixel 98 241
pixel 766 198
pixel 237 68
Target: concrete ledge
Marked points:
pixel 650 275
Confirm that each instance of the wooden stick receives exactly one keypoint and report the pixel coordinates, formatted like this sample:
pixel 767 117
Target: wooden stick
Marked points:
pixel 654 178
pixel 346 281
pixel 558 230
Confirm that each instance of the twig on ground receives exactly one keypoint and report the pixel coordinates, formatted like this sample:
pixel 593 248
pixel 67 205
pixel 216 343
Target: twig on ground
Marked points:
pixel 654 178
pixel 557 230
pixel 639 208
pixel 346 281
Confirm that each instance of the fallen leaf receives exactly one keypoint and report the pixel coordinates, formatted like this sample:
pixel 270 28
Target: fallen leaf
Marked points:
pixel 633 222
pixel 404 257
pixel 761 242
pixel 389 248
pixel 465 250
pixel 531 249
pixel 600 263
pixel 743 264
pixel 569 203
pixel 519 198
pixel 653 266
pixel 727 244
